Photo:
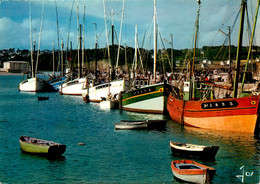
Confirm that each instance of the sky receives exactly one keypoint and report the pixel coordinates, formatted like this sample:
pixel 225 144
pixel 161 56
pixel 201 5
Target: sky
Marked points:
pixel 175 17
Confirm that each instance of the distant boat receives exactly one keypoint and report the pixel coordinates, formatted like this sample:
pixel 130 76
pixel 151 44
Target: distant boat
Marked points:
pixel 140 124
pixel 40 98
pixel 33 84
pixel 42 147
pixel 193 150
pixel 191 171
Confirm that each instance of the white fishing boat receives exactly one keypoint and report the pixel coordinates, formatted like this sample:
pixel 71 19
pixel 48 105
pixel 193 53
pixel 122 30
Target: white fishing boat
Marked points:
pixel 97 93
pixel 74 87
pixel 33 84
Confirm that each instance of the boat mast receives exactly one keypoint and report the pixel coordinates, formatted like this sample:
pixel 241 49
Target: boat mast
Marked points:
pixel 108 50
pixel 32 60
pixel 58 37
pixel 53 58
pixel 250 46
pixel 79 42
pixel 68 41
pixel 195 41
pixel 118 50
pixel 155 43
pixel 112 50
pixel 62 65
pixel 83 40
pixel 96 44
pixel 39 43
pixel 239 47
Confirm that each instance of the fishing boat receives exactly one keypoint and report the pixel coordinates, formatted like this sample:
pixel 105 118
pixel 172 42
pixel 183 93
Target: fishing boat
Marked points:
pixel 193 150
pixel 150 97
pixel 140 124
pixel 33 83
pixel 73 87
pixel 42 147
pixel 40 98
pixel 191 171
pixel 236 114
pixel 147 99
pixel 95 93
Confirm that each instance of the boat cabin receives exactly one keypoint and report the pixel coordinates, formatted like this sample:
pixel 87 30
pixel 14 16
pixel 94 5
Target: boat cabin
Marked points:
pixel 201 91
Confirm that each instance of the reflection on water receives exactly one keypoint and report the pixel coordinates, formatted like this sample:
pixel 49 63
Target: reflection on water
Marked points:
pixel 109 156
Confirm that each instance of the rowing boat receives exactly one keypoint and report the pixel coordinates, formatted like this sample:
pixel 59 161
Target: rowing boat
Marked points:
pixel 193 150
pixel 191 171
pixel 39 146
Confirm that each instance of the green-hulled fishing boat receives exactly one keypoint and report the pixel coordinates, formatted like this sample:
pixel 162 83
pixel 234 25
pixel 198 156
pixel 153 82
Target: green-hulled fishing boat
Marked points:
pixel 147 99
pixel 39 146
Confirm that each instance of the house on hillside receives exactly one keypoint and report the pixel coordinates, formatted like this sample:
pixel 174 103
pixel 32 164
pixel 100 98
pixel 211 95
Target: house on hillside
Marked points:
pixel 15 66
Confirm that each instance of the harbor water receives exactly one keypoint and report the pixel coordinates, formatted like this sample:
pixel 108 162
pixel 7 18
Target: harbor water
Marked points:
pixel 109 155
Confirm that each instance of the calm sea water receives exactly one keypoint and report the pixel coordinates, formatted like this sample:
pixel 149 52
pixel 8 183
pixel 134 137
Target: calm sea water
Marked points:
pixel 109 156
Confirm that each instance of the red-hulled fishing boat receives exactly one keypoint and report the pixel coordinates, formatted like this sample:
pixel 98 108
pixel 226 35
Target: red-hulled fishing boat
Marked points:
pixel 234 114
pixel 238 114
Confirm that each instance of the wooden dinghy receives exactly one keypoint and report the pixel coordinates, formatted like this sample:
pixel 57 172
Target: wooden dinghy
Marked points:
pixel 39 146
pixel 40 98
pixel 140 124
pixel 191 171
pixel 193 150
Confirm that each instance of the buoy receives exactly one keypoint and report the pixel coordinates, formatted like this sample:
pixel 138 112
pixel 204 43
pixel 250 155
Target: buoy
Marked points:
pixel 81 144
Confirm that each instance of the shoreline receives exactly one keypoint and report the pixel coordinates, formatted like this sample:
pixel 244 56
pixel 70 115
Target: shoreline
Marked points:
pixel 8 73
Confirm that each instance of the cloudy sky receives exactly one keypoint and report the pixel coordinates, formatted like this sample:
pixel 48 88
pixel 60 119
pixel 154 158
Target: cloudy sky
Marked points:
pixel 174 16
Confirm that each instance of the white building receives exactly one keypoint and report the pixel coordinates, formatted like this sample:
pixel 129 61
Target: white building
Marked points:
pixel 15 66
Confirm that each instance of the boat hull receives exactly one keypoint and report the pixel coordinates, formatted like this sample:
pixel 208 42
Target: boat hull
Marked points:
pixel 191 171
pixel 74 87
pixel 148 99
pixel 108 104
pixel 32 85
pixel 189 150
pixel 99 92
pixel 141 124
pixel 234 114
pixel 54 149
pixel 127 126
